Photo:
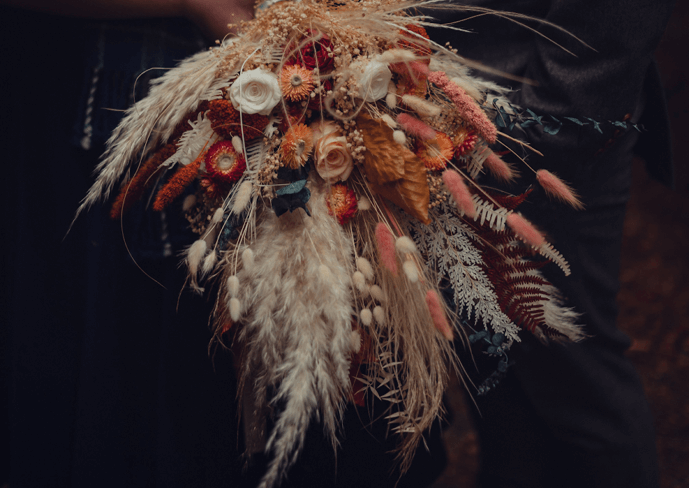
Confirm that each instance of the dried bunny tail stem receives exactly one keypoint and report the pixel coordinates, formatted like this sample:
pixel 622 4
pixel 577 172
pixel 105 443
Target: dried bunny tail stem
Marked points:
pixel 466 106
pixel 558 189
pixel 438 315
pixel 415 127
pixel 421 107
pixel 459 191
pixel 499 168
pixel 525 230
pixel 386 247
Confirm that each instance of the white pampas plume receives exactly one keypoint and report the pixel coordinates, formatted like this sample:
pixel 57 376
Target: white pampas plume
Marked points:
pixel 194 256
pixel 411 270
pixel 218 215
pixel 189 201
pixel 356 341
pixel 399 137
pixel 405 245
pixel 364 265
pixel 297 332
pixel 233 286
pixel 377 293
pixel 366 317
pixel 325 274
pixel 237 144
pixel 242 197
pixel 152 120
pixel 379 314
pixel 209 263
pixel 235 309
pixel 359 281
pixel 364 204
pixel 420 106
pixel 248 260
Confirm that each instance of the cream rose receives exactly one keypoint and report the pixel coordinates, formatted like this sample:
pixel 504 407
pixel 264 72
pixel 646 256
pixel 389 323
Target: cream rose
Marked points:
pixel 255 92
pixel 373 82
pixel 333 161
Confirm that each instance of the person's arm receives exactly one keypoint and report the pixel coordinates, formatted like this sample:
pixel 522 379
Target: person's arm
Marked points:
pixel 212 16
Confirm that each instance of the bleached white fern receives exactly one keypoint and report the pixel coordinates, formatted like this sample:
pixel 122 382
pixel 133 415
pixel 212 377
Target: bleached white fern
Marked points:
pixel 447 246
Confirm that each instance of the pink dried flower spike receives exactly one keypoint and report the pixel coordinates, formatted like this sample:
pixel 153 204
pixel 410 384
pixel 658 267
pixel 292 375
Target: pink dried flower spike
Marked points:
pixel 558 189
pixel 459 191
pixel 386 247
pixel 525 230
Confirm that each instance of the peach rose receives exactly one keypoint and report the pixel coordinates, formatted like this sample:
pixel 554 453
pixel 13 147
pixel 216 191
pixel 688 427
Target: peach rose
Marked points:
pixel 333 161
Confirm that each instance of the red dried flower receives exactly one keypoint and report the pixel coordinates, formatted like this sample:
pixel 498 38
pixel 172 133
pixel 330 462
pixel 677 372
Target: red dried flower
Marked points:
pixel 226 121
pixel 464 141
pixel 420 47
pixel 314 53
pixel 223 164
pixel 342 203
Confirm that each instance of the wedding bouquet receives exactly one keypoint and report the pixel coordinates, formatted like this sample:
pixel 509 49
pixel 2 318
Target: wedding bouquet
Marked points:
pixel 330 159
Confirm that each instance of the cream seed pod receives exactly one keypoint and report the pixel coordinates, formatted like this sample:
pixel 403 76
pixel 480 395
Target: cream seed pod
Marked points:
pixel 364 265
pixel 411 270
pixel 377 293
pixel 366 317
pixel 379 314
pixel 233 286
pixel 359 281
pixel 404 244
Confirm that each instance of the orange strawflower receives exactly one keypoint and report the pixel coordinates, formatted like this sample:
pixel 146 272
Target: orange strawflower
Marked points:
pixel 435 153
pixel 342 203
pixel 296 83
pixel 297 146
pixel 464 141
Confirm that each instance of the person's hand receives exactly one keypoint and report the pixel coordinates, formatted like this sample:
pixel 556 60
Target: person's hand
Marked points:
pixel 213 16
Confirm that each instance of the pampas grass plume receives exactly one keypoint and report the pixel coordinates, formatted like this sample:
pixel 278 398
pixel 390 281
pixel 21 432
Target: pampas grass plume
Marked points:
pixel 359 281
pixel 499 168
pixel 438 315
pixel 525 230
pixel 379 314
pixel 366 317
pixel 242 197
pixel 558 189
pixel 235 309
pixel 248 260
pixel 364 265
pixel 405 244
pixel 325 274
pixel 411 270
pixel 392 56
pixel 233 286
pixel 415 127
pixel 356 341
pixel 455 184
pixel 386 247
pixel 195 254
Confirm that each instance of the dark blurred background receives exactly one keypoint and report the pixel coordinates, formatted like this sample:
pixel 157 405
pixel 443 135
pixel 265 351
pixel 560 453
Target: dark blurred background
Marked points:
pixel 654 295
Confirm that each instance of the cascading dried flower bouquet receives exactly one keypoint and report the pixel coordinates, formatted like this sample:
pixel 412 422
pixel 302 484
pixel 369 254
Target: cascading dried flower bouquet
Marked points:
pixel 329 158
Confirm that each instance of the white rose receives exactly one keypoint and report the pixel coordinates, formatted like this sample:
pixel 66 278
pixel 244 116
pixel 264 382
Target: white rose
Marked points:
pixel 373 82
pixel 333 161
pixel 255 92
